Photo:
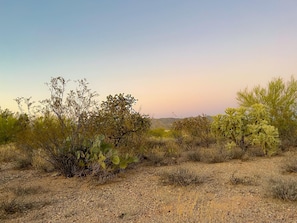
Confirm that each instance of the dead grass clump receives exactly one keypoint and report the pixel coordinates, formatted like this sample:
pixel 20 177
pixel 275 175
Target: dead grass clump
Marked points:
pixel 8 153
pixel 182 177
pixel 165 155
pixel 284 189
pixel 23 162
pixel 40 162
pixel 18 204
pixel 243 180
pixel 22 191
pixel 15 206
pixel 195 156
pixel 290 164
pixel 215 155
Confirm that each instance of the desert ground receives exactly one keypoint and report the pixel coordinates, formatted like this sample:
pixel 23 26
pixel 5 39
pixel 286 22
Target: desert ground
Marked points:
pixel 233 191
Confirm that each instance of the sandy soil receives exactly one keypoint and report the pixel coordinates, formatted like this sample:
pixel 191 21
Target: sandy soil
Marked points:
pixel 138 195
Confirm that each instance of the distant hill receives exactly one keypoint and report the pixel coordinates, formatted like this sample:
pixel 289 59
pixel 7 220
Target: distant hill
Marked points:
pixel 164 123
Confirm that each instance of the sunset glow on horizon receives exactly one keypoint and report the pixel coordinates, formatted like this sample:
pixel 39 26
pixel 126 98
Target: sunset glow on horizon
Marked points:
pixel 178 58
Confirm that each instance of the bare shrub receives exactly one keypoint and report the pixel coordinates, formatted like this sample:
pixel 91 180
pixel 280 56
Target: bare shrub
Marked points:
pixel 17 205
pixel 7 153
pixel 284 189
pixel 182 177
pixel 290 164
pixel 243 180
pixel 162 152
pixel 216 154
pixel 23 163
pixel 195 156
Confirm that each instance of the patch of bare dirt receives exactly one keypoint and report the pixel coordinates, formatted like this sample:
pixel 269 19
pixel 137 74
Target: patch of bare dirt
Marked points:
pixel 235 191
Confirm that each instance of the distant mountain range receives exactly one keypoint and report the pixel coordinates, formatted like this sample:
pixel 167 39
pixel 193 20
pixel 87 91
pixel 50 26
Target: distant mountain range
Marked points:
pixel 165 123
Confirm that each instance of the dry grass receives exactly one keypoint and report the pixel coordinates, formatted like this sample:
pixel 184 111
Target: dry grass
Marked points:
pixel 8 153
pixel 284 189
pixel 182 177
pixel 213 154
pixel 18 204
pixel 290 163
pixel 193 192
pixel 243 180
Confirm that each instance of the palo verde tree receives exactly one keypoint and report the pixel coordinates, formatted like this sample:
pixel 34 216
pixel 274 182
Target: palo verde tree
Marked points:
pixel 120 123
pixel 280 98
pixel 195 130
pixel 245 127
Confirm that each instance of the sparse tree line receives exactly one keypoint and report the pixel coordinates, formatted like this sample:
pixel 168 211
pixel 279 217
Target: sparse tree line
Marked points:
pixel 80 136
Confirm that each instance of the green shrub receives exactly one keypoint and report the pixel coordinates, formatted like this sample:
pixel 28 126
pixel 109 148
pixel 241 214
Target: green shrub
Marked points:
pixel 8 126
pixel 68 129
pixel 193 132
pixel 120 123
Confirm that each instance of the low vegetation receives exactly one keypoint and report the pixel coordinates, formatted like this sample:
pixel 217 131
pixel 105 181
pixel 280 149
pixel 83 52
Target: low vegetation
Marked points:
pixel 284 189
pixel 290 164
pixel 243 180
pixel 75 135
pixel 17 205
pixel 182 177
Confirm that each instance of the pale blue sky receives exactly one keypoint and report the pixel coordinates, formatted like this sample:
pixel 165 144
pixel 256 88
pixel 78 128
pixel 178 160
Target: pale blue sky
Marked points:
pixel 180 58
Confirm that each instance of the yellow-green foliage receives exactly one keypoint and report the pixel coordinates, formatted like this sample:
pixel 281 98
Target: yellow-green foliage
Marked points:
pixel 9 126
pixel 280 99
pixel 245 127
pixel 161 133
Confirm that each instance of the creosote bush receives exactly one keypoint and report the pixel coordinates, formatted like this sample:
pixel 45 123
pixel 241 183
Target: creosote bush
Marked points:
pixel 193 132
pixel 77 136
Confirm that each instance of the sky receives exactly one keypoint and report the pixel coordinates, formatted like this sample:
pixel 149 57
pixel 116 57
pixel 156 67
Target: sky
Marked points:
pixel 178 58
